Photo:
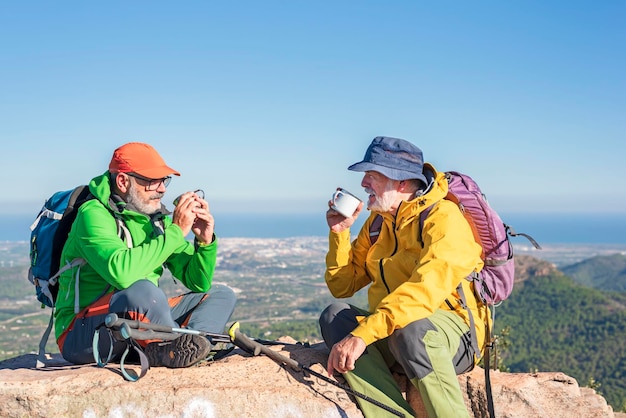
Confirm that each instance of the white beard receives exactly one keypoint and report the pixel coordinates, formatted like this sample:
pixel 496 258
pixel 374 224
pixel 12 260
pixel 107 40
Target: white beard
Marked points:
pixel 383 202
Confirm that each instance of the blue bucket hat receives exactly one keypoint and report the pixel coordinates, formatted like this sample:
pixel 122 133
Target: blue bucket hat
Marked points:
pixel 395 158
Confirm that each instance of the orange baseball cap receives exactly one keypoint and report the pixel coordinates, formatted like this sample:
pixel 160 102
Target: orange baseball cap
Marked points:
pixel 140 158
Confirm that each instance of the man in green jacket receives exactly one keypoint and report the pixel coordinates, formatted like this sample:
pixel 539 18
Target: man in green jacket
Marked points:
pixel 124 238
pixel 414 318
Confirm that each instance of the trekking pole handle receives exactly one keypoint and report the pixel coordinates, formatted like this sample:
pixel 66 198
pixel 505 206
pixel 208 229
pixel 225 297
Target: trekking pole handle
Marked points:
pixel 142 335
pixel 112 320
pixel 125 331
pixel 244 342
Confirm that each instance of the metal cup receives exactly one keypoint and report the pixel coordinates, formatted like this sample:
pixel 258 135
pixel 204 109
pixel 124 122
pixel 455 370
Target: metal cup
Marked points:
pixel 198 192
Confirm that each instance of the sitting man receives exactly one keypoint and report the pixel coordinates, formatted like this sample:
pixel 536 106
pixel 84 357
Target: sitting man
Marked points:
pixel 122 270
pixel 414 318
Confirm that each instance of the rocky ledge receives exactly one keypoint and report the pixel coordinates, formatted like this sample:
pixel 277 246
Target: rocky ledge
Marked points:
pixel 240 385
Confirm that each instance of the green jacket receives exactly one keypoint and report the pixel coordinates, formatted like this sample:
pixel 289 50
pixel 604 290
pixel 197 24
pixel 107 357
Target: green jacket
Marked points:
pixel 408 281
pixel 111 265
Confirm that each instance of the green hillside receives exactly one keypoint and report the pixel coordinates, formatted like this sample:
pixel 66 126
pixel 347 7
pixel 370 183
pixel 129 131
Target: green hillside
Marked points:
pixel 556 324
pixel 605 272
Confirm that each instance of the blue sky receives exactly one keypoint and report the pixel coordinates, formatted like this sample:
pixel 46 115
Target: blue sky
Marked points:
pixel 265 104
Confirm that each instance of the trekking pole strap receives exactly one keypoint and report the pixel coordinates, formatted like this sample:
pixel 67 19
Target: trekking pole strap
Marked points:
pixel 129 375
pixel 96 348
pixel 474 338
pixel 143 360
pixel 245 343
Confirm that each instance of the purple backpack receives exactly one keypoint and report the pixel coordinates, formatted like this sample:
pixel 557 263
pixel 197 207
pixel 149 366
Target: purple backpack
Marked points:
pixel 495 281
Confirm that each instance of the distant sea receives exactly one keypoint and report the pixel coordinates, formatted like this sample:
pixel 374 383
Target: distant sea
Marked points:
pixel 545 228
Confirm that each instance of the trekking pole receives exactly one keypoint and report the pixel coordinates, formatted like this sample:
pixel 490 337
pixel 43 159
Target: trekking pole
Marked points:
pixel 148 331
pixel 247 344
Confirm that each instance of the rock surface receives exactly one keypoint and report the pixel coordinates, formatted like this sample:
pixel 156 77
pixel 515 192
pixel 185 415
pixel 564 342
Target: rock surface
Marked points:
pixel 243 386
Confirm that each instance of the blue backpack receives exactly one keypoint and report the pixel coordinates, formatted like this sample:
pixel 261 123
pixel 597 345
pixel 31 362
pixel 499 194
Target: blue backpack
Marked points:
pixel 49 232
pixel 48 235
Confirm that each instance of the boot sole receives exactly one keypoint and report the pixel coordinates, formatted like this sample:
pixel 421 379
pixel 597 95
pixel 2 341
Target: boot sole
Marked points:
pixel 184 351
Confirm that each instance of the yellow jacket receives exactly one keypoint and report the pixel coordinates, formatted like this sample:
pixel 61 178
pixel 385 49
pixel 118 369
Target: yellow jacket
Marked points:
pixel 409 282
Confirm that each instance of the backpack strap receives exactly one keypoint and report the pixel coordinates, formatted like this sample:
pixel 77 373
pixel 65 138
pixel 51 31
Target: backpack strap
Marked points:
pixel 511 232
pixel 422 218
pixel 123 232
pixel 463 302
pixel 489 343
pixel 375 228
pixel 41 357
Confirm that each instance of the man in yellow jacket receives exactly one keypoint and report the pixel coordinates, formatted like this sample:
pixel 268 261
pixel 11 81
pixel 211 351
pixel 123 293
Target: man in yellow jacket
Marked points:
pixel 415 318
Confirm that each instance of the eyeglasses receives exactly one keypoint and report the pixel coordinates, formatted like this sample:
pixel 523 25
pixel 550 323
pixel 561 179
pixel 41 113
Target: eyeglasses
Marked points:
pixel 152 184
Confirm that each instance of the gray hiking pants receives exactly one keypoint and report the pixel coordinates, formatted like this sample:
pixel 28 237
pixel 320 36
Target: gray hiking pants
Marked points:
pixel 207 312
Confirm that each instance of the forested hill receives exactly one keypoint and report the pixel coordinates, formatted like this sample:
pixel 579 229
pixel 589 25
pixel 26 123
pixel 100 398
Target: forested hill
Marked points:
pixel 556 324
pixel 606 272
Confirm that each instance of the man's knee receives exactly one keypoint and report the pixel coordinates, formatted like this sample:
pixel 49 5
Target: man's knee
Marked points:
pixel 223 292
pixel 336 321
pixel 142 296
pixel 409 348
pixel 329 314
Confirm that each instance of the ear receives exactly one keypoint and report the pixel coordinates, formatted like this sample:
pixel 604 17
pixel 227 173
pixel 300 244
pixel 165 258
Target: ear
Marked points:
pixel 122 182
pixel 408 186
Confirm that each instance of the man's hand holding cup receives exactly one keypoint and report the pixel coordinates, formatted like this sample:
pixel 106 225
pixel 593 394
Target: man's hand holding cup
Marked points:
pixel 344 208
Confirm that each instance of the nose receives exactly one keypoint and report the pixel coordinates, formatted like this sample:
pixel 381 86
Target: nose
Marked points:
pixel 162 188
pixel 364 181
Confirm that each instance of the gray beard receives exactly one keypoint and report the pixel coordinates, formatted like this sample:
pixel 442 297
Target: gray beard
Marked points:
pixel 134 201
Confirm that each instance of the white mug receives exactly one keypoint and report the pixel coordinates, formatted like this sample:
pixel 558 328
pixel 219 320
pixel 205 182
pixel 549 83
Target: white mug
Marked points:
pixel 345 202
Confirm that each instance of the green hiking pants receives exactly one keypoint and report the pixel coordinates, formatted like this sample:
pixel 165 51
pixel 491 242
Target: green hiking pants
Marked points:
pixel 432 351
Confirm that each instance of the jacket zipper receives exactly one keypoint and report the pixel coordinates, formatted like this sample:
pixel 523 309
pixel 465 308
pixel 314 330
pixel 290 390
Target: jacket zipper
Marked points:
pixel 395 249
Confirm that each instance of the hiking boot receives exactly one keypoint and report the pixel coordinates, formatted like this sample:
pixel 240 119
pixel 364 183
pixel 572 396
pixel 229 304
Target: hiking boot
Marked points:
pixel 184 351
